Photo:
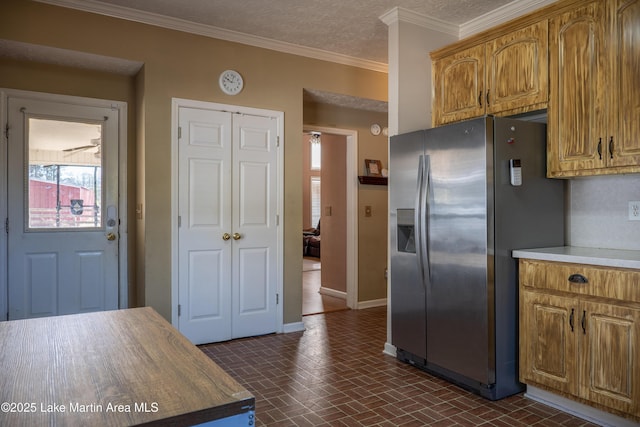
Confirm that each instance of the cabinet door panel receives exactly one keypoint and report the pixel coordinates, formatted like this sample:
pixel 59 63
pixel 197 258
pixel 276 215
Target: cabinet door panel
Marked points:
pixel 517 69
pixel 459 86
pixel 610 369
pixel 625 113
pixel 578 91
pixel 547 341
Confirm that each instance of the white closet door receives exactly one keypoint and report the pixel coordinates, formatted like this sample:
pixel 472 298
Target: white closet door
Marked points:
pixel 205 216
pixel 254 225
pixel 228 232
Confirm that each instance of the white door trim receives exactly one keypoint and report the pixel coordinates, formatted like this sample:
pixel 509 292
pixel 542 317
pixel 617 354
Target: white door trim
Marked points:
pixel 352 208
pixel 176 104
pixel 121 107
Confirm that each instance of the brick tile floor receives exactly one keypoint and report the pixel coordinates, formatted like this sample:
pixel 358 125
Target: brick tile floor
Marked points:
pixel 335 374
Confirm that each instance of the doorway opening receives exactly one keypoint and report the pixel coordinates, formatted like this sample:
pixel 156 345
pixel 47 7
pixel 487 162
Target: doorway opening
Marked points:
pixel 329 276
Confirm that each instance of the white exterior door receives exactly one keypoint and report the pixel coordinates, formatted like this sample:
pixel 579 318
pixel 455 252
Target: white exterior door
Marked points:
pixel 62 208
pixel 227 236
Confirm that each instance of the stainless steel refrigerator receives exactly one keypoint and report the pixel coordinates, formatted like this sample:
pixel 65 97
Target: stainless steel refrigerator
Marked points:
pixel 462 197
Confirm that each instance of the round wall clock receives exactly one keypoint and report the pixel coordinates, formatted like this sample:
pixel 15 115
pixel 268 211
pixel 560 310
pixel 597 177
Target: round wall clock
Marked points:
pixel 375 129
pixel 231 82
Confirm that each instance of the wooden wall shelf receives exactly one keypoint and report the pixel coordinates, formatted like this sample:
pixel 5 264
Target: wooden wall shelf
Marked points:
pixel 373 180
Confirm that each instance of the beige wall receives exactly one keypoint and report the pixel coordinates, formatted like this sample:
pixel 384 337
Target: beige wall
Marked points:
pixel 184 65
pixel 334 225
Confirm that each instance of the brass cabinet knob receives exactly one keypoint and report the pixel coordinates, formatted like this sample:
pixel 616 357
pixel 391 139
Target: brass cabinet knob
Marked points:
pixel 226 236
pixel 111 237
pixel 237 236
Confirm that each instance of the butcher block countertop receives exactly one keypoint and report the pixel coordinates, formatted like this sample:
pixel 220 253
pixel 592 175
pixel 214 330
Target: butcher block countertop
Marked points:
pixel 577 255
pixel 111 368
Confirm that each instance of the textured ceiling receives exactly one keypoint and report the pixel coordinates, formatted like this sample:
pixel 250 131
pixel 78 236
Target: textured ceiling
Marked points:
pixel 348 27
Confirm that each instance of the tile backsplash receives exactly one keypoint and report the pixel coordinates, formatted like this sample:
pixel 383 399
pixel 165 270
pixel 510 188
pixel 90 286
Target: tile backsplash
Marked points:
pixel 598 212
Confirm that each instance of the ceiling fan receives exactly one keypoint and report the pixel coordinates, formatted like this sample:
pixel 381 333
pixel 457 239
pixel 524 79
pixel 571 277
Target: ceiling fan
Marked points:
pixel 95 143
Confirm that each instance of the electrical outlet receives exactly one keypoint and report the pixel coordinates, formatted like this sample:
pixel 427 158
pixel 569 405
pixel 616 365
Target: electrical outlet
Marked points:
pixel 634 211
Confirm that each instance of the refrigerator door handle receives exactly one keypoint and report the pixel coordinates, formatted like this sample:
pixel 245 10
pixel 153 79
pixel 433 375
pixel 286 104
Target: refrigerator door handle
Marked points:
pixel 421 218
pixel 418 218
pixel 424 218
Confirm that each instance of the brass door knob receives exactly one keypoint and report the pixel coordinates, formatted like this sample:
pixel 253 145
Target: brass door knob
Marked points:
pixel 226 236
pixel 111 237
pixel 237 236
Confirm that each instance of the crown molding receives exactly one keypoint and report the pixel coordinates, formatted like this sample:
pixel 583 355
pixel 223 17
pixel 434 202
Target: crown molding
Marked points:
pixel 399 14
pixel 210 31
pixel 484 22
pixel 500 15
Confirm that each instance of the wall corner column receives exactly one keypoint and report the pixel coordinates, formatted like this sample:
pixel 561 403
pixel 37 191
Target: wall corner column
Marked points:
pixel 411 37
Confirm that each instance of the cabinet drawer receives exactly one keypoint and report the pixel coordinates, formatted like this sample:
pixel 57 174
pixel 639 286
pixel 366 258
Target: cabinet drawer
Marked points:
pixel 607 282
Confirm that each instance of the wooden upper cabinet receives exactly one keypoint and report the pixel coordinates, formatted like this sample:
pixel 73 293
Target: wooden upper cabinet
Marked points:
pixel 459 86
pixel 625 113
pixel 506 75
pixel 578 89
pixel 594 99
pixel 517 70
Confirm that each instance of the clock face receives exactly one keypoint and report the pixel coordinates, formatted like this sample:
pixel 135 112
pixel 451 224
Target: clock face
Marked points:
pixel 231 82
pixel 375 129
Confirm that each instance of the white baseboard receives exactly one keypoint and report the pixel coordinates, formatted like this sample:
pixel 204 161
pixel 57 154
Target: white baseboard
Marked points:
pixel 389 349
pixel 299 326
pixel 333 293
pixel 580 410
pixel 372 303
pixel 293 327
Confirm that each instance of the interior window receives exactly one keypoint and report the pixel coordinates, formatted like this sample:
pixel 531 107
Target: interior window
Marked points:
pixel 315 200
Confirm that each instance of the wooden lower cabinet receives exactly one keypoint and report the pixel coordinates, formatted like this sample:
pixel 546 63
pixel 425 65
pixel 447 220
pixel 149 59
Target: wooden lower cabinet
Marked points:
pixel 583 347
pixel 610 365
pixel 547 343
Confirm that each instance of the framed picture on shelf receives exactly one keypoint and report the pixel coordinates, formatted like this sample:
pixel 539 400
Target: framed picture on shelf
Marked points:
pixel 373 167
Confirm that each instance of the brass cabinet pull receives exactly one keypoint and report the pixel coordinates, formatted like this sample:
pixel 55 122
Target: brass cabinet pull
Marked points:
pixel 226 236
pixel 578 278
pixel 237 236
pixel 611 147
pixel 571 319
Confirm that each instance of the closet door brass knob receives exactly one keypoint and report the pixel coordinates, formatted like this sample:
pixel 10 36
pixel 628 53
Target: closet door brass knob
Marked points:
pixel 237 236
pixel 226 236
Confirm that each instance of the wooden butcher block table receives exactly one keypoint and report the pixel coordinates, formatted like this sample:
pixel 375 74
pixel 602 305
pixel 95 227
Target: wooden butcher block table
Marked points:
pixel 112 368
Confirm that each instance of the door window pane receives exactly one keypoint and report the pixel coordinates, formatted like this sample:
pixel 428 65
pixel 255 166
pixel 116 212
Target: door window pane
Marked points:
pixel 64 174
